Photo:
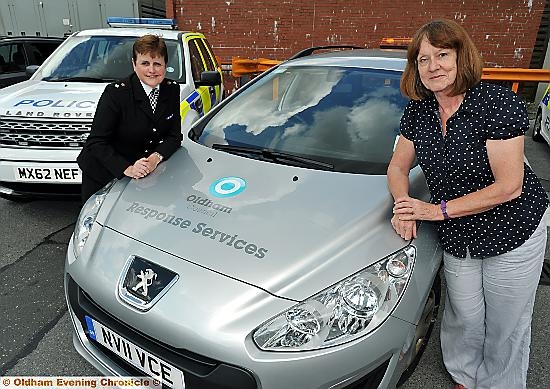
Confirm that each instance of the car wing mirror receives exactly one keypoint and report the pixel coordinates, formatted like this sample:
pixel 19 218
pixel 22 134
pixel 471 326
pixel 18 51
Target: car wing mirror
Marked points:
pixel 210 78
pixel 31 69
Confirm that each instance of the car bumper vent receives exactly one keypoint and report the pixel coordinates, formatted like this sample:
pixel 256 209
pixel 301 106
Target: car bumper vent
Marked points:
pixel 372 379
pixel 545 275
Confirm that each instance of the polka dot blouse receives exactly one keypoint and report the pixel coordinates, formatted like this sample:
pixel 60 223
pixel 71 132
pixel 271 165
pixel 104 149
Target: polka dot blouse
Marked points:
pixel 457 164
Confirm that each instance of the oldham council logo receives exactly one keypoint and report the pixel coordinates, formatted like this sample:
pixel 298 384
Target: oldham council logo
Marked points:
pixel 227 187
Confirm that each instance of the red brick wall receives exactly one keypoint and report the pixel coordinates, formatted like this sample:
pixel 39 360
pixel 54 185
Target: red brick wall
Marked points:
pixel 503 30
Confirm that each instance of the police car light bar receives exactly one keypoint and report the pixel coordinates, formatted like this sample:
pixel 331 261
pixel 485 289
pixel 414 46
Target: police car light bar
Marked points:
pixel 118 21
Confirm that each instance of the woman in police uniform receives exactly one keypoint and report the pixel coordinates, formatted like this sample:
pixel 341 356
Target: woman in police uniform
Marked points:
pixel 137 121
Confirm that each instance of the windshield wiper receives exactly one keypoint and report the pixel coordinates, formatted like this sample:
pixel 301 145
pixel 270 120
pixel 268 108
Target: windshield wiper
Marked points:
pixel 275 156
pixel 79 79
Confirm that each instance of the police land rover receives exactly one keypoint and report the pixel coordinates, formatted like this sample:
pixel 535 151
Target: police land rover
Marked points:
pixel 45 121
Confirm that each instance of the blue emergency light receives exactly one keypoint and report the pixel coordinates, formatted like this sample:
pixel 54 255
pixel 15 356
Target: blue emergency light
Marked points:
pixel 120 21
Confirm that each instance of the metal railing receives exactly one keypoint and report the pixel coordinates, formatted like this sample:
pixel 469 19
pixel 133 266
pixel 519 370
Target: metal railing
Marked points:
pixel 516 75
pixel 246 67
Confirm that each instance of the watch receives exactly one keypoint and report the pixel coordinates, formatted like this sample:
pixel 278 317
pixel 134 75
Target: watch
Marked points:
pixel 159 156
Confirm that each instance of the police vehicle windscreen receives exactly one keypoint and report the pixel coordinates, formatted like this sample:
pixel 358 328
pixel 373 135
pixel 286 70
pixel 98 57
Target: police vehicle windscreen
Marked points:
pixel 102 59
pixel 345 117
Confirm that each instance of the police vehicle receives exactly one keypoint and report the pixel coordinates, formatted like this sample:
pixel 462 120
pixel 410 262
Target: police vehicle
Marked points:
pixel 261 254
pixel 45 121
pixel 541 126
pixel 16 53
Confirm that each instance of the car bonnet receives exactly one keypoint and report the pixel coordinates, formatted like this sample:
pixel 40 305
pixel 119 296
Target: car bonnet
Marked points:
pixel 288 230
pixel 58 100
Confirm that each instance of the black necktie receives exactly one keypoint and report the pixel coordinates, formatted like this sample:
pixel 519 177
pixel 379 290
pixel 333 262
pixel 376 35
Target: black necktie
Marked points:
pixel 153 96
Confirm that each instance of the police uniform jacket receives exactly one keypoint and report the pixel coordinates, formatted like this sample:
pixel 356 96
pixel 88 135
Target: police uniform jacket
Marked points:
pixel 125 129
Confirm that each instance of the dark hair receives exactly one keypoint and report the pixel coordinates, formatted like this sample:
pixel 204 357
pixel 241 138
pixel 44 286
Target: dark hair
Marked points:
pixel 150 44
pixel 444 34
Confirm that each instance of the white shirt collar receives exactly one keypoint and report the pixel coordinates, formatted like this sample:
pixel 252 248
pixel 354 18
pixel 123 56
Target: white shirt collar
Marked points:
pixel 147 88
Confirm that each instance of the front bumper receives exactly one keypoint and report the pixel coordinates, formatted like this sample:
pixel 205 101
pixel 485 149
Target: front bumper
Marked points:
pixel 219 355
pixel 200 372
pixel 63 179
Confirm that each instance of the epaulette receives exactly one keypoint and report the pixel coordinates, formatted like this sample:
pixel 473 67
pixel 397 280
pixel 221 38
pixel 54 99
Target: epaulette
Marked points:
pixel 119 84
pixel 170 82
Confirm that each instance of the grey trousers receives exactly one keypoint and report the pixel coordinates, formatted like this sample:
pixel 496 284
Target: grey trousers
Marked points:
pixel 486 327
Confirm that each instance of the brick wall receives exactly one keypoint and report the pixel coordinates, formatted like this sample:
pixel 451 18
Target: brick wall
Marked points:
pixel 503 30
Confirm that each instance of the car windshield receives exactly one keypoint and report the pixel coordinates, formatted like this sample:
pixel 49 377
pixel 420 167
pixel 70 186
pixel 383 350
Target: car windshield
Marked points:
pixel 342 117
pixel 102 59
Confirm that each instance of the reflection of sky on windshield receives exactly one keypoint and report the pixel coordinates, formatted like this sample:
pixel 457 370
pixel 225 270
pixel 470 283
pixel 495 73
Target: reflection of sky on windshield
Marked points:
pixel 262 111
pixel 295 130
pixel 372 129
pixel 373 116
pixel 368 127
pixel 350 115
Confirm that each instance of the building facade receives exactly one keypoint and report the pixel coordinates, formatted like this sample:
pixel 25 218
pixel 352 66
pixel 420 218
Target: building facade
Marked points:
pixel 505 31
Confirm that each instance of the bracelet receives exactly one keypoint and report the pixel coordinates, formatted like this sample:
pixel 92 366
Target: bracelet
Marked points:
pixel 444 210
pixel 159 156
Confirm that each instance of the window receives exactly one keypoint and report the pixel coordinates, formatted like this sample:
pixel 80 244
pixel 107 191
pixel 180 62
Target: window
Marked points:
pixel 12 58
pixel 39 51
pixel 104 58
pixel 206 55
pixel 347 117
pixel 197 66
pixel 212 54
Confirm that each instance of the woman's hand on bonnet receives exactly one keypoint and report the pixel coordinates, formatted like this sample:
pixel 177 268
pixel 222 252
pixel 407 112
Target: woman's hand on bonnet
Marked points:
pixel 408 208
pixel 404 228
pixel 152 162
pixel 139 169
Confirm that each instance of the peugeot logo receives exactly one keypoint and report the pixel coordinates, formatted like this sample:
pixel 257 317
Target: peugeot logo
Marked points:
pixel 146 279
pixel 142 283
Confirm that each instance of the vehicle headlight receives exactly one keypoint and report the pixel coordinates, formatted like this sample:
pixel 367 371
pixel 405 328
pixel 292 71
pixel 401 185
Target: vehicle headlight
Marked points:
pixel 347 310
pixel 87 217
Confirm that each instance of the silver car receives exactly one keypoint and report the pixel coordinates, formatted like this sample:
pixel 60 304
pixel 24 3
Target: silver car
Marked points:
pixel 261 255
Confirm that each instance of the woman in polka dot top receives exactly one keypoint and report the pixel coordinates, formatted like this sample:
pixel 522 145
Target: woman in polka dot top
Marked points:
pixel 467 137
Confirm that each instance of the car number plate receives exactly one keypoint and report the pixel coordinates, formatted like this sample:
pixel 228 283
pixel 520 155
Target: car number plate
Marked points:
pixel 48 174
pixel 135 355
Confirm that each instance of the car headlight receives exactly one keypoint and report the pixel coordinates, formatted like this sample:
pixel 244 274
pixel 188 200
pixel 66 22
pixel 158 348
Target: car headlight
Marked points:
pixel 345 311
pixel 87 217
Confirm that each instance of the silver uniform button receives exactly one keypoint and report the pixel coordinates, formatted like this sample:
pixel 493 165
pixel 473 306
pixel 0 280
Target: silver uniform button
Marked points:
pixel 154 130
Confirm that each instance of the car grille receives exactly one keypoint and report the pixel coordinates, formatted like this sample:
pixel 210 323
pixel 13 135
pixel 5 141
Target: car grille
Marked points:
pixel 43 133
pixel 200 372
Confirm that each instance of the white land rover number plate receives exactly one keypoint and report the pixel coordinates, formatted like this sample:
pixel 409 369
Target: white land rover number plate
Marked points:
pixel 48 174
pixel 135 355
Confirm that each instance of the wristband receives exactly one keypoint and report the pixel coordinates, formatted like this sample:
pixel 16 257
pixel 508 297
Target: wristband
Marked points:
pixel 444 210
pixel 159 156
